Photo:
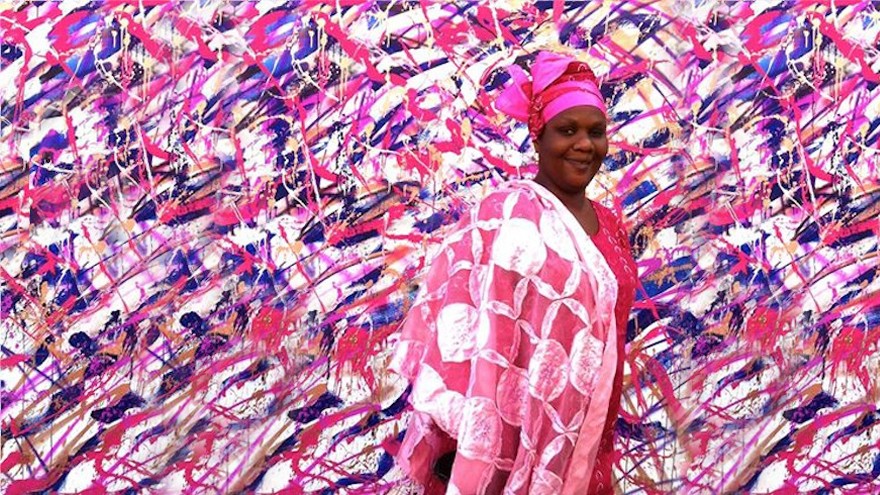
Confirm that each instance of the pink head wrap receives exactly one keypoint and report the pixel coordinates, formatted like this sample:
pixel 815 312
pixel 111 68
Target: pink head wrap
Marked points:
pixel 558 83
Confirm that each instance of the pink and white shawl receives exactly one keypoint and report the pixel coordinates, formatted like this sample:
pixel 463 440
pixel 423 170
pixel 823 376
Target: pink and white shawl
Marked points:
pixel 511 351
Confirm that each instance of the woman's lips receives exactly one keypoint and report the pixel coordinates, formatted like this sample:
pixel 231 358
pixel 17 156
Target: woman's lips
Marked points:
pixel 580 164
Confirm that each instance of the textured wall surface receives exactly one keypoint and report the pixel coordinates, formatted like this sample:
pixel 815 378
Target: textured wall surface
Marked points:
pixel 213 216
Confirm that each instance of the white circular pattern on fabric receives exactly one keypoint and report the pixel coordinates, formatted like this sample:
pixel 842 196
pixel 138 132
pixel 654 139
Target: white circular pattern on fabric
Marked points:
pixel 548 370
pixel 518 247
pixel 426 387
pixel 456 325
pixel 431 396
pixel 407 358
pixel 586 358
pixel 556 236
pixel 513 395
pixel 480 433
pixel 446 411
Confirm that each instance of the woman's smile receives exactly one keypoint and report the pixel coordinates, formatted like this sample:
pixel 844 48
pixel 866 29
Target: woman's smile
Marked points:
pixel 581 163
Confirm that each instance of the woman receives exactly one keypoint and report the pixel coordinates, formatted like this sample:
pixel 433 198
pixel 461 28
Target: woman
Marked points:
pixel 515 344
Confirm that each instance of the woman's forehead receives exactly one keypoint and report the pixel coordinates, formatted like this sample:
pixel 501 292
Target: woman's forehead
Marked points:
pixel 583 114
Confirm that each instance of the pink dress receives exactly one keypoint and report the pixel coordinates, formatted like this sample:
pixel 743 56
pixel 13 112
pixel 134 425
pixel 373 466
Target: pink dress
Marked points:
pixel 613 242
pixel 514 350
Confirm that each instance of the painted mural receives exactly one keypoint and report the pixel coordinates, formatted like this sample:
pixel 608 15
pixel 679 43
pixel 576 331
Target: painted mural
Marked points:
pixel 214 215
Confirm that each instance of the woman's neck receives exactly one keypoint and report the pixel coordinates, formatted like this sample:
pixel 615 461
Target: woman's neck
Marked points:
pixel 575 201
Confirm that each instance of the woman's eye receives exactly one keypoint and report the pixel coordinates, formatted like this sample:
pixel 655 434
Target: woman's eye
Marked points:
pixel 597 133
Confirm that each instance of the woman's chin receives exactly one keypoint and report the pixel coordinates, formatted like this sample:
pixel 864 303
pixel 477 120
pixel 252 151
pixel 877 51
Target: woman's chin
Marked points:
pixel 580 182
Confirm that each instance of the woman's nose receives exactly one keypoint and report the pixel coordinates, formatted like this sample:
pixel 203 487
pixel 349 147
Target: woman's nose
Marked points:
pixel 583 142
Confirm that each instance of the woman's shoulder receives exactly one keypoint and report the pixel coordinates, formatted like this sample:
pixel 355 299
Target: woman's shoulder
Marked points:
pixel 516 188
pixel 607 213
pixel 513 198
pixel 603 210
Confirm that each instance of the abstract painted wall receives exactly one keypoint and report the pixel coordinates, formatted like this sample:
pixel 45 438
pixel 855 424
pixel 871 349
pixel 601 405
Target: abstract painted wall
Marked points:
pixel 213 216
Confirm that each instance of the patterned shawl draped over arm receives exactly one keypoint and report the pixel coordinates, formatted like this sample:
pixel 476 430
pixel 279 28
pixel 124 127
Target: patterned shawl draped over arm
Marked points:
pixel 511 350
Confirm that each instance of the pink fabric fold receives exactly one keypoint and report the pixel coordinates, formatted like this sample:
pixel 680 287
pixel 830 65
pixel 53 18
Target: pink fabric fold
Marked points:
pixel 558 82
pixel 515 99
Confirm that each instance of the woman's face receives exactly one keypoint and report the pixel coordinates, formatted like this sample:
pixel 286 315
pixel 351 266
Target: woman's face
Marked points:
pixel 571 149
